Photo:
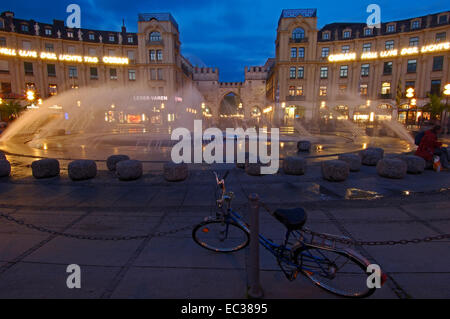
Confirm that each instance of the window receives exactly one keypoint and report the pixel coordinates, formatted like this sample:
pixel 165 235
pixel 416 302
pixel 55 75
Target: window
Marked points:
pixel 152 55
pixel 2 42
pixel 48 31
pixel 28 66
pixel 2 24
pixel 155 37
pixel 435 87
pixel 391 28
pixel 30 86
pixel 301 72
pixel 70 34
pixel 325 52
pixel 410 85
pixel 363 89
pixel 113 74
pixel 323 91
pixel 301 53
pixel 387 68
pixel 5 88
pixel 91 36
pixel 160 74
pixel 386 88
pixel 414 42
pixel 367 31
pixel 389 45
pixel 152 74
pixel 443 19
pixel 51 70
pixel 324 72
pixel 4 67
pixel 298 34
pixel 132 75
pixel 292 72
pixel 367 47
pixel 412 66
pixel 73 72
pixel 342 89
pixel 299 91
pixel 438 63
pixel 293 52
pixel 326 36
pixel 71 49
pixel 365 69
pixel 24 28
pixel 130 39
pixel 344 71
pixel 26 45
pixel 415 24
pixel 347 34
pixel 92 52
pixel 112 52
pixel 52 89
pixel 112 38
pixel 441 37
pixel 130 55
pixel 160 55
pixel 49 47
pixel 291 90
pixel 345 49
pixel 94 73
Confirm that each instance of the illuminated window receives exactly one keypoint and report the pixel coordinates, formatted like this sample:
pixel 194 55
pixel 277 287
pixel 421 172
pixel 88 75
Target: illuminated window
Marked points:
pixel 441 37
pixel 414 42
pixel 52 89
pixel 69 34
pixel 293 52
pixel 73 72
pixel 415 24
pixel 94 73
pixel 343 73
pixel 24 28
pixel 389 45
pixel 412 66
pixel 386 88
pixel 291 90
pixel 367 31
pixel 301 52
pixel 130 39
pixel 387 68
pixel 292 73
pixel 132 75
pixel 326 35
pixel 48 31
pixel 342 89
pixel 51 70
pixel 113 74
pixel 28 67
pixel 345 49
pixel 298 34
pixel 299 91
pixel 438 63
pixel 159 55
pixel 91 36
pixel 390 28
pixel 325 52
pixel 347 34
pixel 112 38
pixel 365 69
pixel 152 54
pixel 155 37
pixel 324 72
pixel 367 47
pixel 301 72
pixel 323 91
pixel 363 89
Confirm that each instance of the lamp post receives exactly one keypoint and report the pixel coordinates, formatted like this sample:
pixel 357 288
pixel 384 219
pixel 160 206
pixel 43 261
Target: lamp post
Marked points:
pixel 410 94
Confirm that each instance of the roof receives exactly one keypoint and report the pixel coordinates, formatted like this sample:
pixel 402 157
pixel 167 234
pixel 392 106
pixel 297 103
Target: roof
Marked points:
pixel 165 16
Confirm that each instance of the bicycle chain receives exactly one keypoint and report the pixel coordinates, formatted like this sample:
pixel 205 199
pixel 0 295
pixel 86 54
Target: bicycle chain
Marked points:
pixel 93 238
pixel 369 243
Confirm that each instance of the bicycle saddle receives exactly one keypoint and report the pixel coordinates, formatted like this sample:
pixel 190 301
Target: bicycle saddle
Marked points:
pixel 293 219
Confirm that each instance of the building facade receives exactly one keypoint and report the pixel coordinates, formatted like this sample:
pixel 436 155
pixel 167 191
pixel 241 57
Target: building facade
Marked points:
pixel 343 70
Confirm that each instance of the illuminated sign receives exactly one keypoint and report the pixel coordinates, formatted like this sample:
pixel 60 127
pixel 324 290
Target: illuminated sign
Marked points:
pixel 115 60
pixel 342 57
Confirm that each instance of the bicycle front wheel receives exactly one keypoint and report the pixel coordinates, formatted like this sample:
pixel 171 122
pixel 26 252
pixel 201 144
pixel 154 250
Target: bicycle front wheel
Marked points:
pixel 336 271
pixel 220 236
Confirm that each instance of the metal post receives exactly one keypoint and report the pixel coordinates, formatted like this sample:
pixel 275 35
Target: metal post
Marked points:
pixel 254 290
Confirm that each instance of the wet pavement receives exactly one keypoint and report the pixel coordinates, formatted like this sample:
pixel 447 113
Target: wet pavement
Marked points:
pixel 365 207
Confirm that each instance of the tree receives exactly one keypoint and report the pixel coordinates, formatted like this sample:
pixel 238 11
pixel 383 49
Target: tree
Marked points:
pixel 435 107
pixel 399 94
pixel 11 110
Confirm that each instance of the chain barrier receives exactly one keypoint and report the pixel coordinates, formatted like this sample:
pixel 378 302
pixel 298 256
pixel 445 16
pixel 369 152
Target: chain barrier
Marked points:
pixel 94 238
pixel 367 243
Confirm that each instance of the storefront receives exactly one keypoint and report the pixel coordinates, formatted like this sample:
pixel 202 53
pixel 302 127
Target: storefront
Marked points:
pixel 408 115
pixel 293 113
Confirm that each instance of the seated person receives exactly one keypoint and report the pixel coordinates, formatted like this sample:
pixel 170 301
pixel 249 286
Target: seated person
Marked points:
pixel 429 146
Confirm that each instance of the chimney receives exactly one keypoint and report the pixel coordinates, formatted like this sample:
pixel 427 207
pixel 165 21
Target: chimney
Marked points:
pixel 124 28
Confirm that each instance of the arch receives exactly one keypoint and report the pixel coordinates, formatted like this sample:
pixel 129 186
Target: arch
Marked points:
pixel 255 111
pixel 230 105
pixel 154 36
pixel 298 33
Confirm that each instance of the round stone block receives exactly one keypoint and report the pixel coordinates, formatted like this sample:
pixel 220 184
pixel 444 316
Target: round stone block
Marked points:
pixel 353 160
pixel 415 164
pixel 82 170
pixel 112 161
pixel 371 156
pixel 129 170
pixel 45 168
pixel 304 146
pixel 335 171
pixel 176 172
pixel 5 168
pixel 253 169
pixel 392 168
pixel 294 166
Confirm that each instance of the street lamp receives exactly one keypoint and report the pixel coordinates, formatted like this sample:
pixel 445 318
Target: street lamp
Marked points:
pixel 30 95
pixel 410 94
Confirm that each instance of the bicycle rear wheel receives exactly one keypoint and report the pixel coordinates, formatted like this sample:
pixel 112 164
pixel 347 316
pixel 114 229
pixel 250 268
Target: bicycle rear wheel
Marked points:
pixel 220 236
pixel 335 271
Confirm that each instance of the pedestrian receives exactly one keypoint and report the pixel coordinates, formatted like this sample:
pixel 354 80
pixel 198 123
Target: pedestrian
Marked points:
pixel 429 147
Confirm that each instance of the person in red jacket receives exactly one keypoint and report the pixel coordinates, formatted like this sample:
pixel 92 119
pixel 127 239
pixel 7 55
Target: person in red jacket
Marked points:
pixel 429 146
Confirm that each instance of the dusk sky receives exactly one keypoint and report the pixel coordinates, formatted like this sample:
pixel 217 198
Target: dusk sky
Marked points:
pixel 227 34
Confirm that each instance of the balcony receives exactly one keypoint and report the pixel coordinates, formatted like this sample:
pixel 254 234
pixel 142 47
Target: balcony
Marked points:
pixel 298 59
pixel 293 98
pixel 155 42
pixel 298 40
pixel 387 96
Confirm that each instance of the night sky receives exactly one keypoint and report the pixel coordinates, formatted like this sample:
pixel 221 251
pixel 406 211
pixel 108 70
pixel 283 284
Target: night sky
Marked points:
pixel 227 34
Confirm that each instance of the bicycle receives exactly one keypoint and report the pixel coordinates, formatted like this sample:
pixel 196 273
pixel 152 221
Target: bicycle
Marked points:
pixel 299 253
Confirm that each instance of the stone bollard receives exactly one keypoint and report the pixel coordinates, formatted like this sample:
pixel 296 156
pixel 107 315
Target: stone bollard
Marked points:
pixel 175 172
pixel 112 161
pixel 82 170
pixel 392 168
pixel 304 146
pixel 335 171
pixel 353 160
pixel 129 170
pixel 415 164
pixel 45 168
pixel 294 166
pixel 5 168
pixel 371 156
pixel 255 290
